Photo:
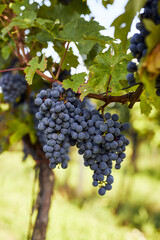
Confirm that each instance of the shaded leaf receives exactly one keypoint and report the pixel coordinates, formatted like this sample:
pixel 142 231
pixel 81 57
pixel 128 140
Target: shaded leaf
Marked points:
pixel 76 31
pixel 2 7
pixel 92 54
pixel 64 13
pixel 6 51
pixel 70 59
pixel 21 130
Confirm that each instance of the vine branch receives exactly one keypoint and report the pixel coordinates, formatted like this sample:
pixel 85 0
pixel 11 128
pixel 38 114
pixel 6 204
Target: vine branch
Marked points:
pixel 12 69
pixel 131 97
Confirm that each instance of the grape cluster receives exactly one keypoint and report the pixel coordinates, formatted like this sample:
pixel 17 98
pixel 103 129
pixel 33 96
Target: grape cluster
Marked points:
pixel 13 86
pixel 66 121
pixel 33 109
pixel 56 108
pixel 103 143
pixel 138 46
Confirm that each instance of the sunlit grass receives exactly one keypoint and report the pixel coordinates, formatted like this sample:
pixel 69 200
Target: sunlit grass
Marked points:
pixel 131 211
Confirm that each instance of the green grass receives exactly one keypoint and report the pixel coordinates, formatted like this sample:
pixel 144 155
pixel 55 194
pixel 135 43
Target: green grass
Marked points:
pixel 131 211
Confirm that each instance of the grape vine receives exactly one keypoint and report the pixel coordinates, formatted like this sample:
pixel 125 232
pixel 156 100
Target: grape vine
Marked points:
pixel 60 115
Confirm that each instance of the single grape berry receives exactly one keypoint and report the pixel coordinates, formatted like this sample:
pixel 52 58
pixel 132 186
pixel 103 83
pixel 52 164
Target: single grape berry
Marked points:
pixel 132 67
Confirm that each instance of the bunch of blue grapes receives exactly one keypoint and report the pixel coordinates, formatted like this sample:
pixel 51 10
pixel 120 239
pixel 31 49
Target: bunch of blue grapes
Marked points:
pixel 101 142
pixel 66 121
pixel 56 106
pixel 13 86
pixel 33 109
pixel 138 46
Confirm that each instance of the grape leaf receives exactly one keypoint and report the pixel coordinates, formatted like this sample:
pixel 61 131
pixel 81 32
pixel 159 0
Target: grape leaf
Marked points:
pixel 85 89
pixel 80 6
pixel 42 37
pixel 79 29
pixel 92 54
pixel 6 51
pixel 28 6
pixel 109 67
pixel 29 20
pixel 2 7
pixel 70 59
pixel 123 22
pixel 145 106
pixel 64 13
pixel 84 49
pixel 99 38
pixel 75 82
pixel 33 65
pixel 150 89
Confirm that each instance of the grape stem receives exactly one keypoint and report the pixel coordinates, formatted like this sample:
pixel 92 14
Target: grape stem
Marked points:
pixel 109 80
pixel 60 65
pixel 131 97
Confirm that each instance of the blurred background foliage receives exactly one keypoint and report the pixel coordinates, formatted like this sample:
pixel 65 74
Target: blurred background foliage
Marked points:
pixel 130 211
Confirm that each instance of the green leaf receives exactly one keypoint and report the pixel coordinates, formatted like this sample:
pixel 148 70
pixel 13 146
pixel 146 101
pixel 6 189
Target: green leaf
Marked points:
pixel 123 23
pixel 64 13
pixel 16 7
pixel 145 106
pixel 21 130
pixel 75 82
pixel 92 54
pixel 43 64
pixel 70 59
pixel 80 7
pixel 79 29
pixel 33 65
pixel 150 89
pixel 84 49
pixel 154 37
pixel 28 17
pixel 42 37
pixel 85 90
pixel 109 68
pixel 6 51
pixel 17 128
pixel 99 38
pixel 2 7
